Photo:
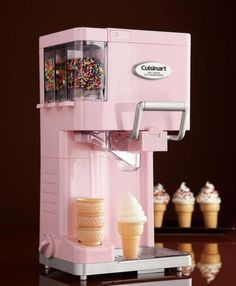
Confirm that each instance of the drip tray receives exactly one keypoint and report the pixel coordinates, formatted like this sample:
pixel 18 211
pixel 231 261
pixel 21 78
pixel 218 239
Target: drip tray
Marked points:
pixel 150 260
pixel 150 253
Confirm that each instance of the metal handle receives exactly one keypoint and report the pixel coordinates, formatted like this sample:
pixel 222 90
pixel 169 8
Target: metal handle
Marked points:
pixel 161 106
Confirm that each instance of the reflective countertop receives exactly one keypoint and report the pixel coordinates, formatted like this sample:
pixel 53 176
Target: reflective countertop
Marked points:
pixel 212 259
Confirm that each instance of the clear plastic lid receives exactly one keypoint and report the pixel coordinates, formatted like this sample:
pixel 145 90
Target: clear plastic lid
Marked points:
pixel 49 75
pixel 75 71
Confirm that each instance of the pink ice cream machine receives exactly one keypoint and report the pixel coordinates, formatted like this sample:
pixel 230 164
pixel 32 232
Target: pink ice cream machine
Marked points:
pixel 108 98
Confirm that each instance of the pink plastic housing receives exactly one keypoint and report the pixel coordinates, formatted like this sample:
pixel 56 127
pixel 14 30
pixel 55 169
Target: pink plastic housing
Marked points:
pixel 71 169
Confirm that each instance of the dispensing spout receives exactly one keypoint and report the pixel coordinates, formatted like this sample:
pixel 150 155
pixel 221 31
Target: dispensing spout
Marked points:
pixel 128 161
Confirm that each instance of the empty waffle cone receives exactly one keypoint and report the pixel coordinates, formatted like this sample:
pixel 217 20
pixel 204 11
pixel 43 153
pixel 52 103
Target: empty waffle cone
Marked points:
pixel 159 210
pixel 184 214
pixel 210 214
pixel 90 205
pixel 90 220
pixel 130 236
pixel 90 236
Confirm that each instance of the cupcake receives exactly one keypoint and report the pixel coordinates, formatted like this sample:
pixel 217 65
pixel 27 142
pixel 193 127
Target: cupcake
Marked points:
pixel 161 199
pixel 209 201
pixel 184 205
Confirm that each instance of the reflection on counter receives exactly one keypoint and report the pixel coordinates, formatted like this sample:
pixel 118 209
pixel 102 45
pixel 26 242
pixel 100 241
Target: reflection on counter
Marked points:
pixel 58 278
pixel 187 247
pixel 159 245
pixel 207 259
pixel 210 261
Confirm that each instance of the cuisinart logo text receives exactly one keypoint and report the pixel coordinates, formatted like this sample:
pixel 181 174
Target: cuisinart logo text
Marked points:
pixel 151 70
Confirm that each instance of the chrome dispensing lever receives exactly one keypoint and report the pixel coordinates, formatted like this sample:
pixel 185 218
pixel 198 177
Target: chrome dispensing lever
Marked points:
pixel 161 106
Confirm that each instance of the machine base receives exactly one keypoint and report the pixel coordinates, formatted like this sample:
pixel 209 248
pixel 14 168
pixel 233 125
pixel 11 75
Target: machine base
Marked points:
pixel 150 260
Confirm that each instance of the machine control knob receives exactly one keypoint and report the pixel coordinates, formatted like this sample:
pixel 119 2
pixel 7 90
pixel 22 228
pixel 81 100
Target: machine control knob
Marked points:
pixel 47 246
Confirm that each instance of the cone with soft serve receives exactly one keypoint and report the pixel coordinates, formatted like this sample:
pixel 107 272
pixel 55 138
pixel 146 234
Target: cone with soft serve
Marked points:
pixel 209 201
pixel 187 248
pixel 210 261
pixel 131 219
pixel 161 199
pixel 184 201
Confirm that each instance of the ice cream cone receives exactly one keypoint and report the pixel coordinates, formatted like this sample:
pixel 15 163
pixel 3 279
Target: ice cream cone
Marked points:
pixel 90 205
pixel 161 199
pixel 209 201
pixel 159 245
pixel 210 253
pixel 210 261
pixel 131 219
pixel 210 248
pixel 90 220
pixel 184 213
pixel 90 236
pixel 184 201
pixel 187 248
pixel 130 237
pixel 159 210
pixel 210 214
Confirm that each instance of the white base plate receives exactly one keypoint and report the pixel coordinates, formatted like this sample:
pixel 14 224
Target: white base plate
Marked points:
pixel 151 259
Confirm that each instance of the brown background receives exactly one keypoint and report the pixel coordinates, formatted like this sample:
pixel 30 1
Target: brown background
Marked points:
pixel 207 152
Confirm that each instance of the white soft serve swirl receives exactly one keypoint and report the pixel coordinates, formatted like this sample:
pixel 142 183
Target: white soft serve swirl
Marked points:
pixel 208 194
pixel 131 211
